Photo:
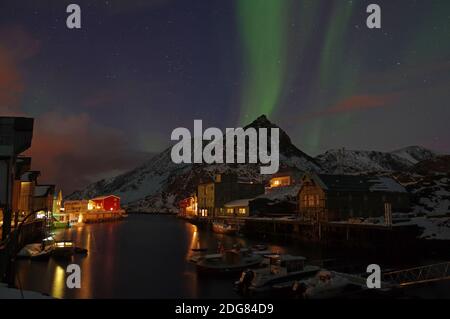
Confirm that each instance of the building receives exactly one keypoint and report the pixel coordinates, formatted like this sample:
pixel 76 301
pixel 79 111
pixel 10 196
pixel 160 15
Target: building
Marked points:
pixel 285 178
pixel 23 164
pixel 340 197
pixel 225 188
pixel 188 206
pixel 238 208
pixel 15 137
pixel 43 197
pixel 28 181
pixel 57 203
pixel 106 203
pixel 91 210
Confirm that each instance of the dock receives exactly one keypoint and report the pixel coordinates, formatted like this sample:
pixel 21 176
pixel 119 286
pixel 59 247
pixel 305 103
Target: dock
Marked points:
pixel 102 216
pixel 355 235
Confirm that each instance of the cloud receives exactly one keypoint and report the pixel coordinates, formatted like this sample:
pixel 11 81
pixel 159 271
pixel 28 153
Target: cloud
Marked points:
pixel 357 103
pixel 360 102
pixel 11 85
pixel 16 46
pixel 71 149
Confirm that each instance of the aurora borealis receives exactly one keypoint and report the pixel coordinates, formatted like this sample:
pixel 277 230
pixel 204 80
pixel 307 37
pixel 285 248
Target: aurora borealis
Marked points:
pixel 263 28
pixel 107 96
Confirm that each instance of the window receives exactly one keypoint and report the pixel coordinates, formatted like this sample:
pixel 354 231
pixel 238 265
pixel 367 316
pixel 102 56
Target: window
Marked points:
pixel 311 200
pixel 242 211
pixel 317 199
pixel 230 211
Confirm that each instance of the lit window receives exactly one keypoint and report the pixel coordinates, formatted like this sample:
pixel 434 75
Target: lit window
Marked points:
pixel 242 211
pixel 311 200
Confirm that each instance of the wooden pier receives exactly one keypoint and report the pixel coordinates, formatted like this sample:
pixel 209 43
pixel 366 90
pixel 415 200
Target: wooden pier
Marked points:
pixel 357 235
pixel 102 216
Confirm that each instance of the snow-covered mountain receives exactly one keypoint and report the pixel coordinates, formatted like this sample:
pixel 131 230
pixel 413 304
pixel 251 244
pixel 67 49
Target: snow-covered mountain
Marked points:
pixel 415 154
pixel 355 161
pixel 158 184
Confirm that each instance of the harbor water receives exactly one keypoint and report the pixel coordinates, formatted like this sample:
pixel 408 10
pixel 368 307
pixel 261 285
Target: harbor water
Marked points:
pixel 144 256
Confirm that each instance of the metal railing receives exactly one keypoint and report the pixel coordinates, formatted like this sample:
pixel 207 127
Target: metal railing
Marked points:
pixel 417 275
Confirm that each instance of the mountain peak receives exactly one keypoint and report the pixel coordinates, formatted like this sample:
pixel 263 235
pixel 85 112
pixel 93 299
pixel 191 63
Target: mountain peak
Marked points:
pixel 261 121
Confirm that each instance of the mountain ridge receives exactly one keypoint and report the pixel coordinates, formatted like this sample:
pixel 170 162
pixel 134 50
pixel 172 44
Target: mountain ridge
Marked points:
pixel 158 184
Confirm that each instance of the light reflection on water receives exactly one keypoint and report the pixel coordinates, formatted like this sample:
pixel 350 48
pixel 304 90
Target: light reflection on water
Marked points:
pixel 140 257
pixel 146 257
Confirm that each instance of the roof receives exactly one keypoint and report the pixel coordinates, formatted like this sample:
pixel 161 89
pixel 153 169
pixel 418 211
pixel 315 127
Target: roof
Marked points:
pixel 281 193
pixel 357 183
pixel 238 203
pixel 386 184
pixel 105 196
pixel 344 182
pixel 29 176
pixel 43 190
pixel 287 172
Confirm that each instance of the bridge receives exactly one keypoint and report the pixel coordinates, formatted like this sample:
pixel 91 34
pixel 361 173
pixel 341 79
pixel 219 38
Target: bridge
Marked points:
pixel 418 275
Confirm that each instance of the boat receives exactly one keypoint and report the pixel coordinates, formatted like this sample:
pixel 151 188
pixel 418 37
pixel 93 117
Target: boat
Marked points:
pixel 35 251
pixel 228 262
pixel 224 228
pixel 61 220
pixel 63 249
pixel 259 247
pixel 278 273
pixel 325 284
pixel 50 248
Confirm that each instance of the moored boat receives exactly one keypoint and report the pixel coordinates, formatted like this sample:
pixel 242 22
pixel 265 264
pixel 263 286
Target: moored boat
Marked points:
pixel 279 271
pixel 325 284
pixel 230 261
pixel 224 228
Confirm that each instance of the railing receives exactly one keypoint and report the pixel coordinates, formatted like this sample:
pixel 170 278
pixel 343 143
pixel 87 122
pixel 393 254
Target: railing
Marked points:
pixel 417 275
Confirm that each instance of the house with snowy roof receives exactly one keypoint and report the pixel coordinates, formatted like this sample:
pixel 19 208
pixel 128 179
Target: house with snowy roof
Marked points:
pixel 324 197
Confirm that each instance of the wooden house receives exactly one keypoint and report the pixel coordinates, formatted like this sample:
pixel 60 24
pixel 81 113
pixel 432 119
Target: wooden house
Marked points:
pixel 325 197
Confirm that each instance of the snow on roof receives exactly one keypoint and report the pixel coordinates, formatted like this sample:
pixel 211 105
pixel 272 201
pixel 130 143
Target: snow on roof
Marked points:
pixel 358 183
pixel 103 197
pixel 42 190
pixel 238 203
pixel 29 176
pixel 281 193
pixel 386 184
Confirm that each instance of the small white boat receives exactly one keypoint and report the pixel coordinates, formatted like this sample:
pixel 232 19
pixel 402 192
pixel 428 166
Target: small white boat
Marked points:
pixel 35 251
pixel 223 228
pixel 230 261
pixel 278 271
pixel 325 284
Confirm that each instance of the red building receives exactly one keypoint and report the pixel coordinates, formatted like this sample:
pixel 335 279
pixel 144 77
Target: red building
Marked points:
pixel 107 203
pixel 188 206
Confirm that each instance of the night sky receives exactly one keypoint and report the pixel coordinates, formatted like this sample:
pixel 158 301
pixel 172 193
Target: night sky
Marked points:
pixel 107 96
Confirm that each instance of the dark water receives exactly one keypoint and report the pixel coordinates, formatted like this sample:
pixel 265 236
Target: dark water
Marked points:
pixel 143 256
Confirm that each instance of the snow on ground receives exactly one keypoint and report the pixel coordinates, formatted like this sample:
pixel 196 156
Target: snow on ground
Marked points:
pixel 13 293
pixel 434 228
